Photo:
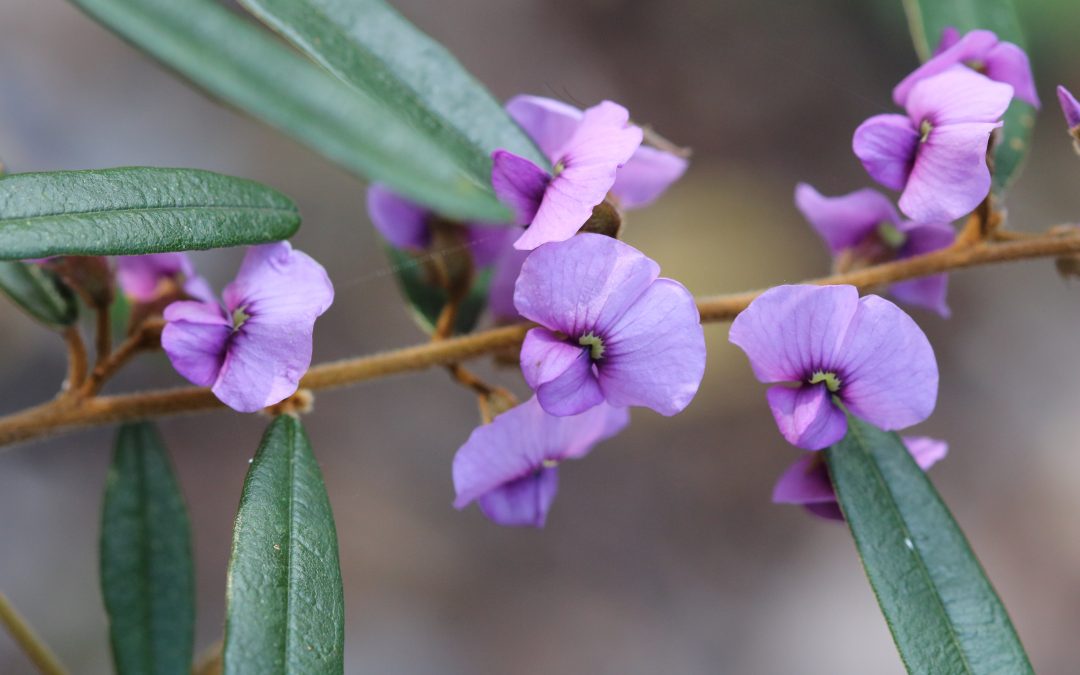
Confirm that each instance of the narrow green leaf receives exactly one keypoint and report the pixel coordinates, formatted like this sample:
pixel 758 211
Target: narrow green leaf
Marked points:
pixel 147 574
pixel 372 47
pixel 285 611
pixel 928 18
pixel 942 610
pixel 244 66
pixel 426 300
pixel 40 293
pixel 136 210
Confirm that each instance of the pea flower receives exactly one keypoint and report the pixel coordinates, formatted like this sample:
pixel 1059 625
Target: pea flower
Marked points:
pixel 141 276
pixel 1070 107
pixel 807 482
pixel 555 205
pixel 610 329
pixel 983 52
pixel 863 228
pixel 252 350
pixel 936 154
pixel 836 348
pixel 508 467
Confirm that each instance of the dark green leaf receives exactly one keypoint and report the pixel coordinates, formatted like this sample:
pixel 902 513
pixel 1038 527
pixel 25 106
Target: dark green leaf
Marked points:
pixel 928 18
pixel 943 613
pixel 427 300
pixel 40 293
pixel 147 575
pixel 285 610
pixel 136 210
pixel 372 47
pixel 246 67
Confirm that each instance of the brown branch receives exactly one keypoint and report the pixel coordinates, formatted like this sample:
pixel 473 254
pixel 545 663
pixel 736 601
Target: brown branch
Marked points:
pixel 146 336
pixel 23 634
pixel 53 418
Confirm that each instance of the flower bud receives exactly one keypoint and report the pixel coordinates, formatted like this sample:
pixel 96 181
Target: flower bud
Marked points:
pixel 1070 107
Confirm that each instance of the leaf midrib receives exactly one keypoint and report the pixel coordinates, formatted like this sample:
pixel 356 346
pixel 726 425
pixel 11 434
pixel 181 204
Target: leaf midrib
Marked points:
pixel 151 209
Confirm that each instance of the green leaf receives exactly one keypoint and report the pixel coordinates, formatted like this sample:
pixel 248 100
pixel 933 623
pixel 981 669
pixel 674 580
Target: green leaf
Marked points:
pixel 244 66
pixel 426 299
pixel 928 18
pixel 372 47
pixel 40 293
pixel 147 574
pixel 136 210
pixel 285 610
pixel 942 610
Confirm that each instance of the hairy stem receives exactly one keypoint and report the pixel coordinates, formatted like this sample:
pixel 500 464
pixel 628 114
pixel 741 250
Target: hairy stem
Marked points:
pixel 23 635
pixel 55 417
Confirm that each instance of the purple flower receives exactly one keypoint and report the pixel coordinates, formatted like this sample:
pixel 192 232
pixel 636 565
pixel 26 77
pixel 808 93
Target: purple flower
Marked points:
pixel 936 154
pixel 140 276
pixel 1070 107
pixel 408 225
pixel 501 288
pixel 807 482
pixel 555 205
pixel 252 351
pixel 981 51
pixel 836 348
pixel 610 329
pixel 863 228
pixel 508 467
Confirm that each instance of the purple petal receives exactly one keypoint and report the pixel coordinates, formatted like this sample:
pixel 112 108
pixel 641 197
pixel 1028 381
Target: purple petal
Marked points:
pixel 602 143
pixel 490 243
pixel 886 146
pixel 519 184
pixel 958 96
pixel 655 353
pixel 140 275
pixel 806 416
pixel 279 285
pixel 949 36
pixel 1007 63
pixel 972 47
pixel 548 122
pixel 560 373
pixel 583 284
pixel 501 289
pixel 788 332
pixel 927 292
pixel 846 220
pixel 1070 107
pixel 195 338
pixel 403 223
pixel 524 502
pixel 646 176
pixel 950 176
pixel 889 375
pixel 926 451
pixel 805 482
pixel 826 510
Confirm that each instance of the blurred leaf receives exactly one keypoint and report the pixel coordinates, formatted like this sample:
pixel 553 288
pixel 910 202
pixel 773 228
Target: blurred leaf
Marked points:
pixel 136 210
pixel 40 293
pixel 372 47
pixel 928 18
pixel 427 299
pixel 244 66
pixel 943 613
pixel 285 609
pixel 147 574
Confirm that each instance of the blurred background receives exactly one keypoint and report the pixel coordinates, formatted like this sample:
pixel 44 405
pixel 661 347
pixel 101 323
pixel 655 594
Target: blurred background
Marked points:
pixel 663 552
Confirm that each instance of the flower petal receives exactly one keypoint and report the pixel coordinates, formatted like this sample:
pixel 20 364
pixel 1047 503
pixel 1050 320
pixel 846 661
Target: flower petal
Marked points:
pixel 927 292
pixel 195 338
pixel 1008 63
pixel 401 222
pixel 973 46
pixel 805 482
pixel 524 502
pixel 889 376
pixel 647 174
pixel 279 285
pixel 264 364
pixel 1070 107
pixel 789 332
pixel 655 353
pixel 886 145
pixel 519 184
pixel 958 96
pixel 583 284
pixel 846 220
pixel 806 416
pixel 950 176
pixel 560 373
pixel 503 280
pixel 488 243
pixel 926 451
pixel 548 122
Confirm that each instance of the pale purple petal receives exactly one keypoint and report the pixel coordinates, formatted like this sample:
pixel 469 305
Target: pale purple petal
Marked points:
pixel 503 280
pixel 195 338
pixel 950 177
pixel 789 332
pixel 561 373
pixel 926 451
pixel 199 288
pixel 647 174
pixel 519 184
pixel 958 96
pixel 524 502
pixel 1007 63
pixel 489 243
pixel 278 285
pixel 403 223
pixel 140 275
pixel 927 292
pixel 1070 107
pixel 654 353
pixel 886 146
pixel 549 123
pixel 949 36
pixel 583 284
pixel 805 482
pixel 972 47
pixel 888 374
pixel 807 416
pixel 846 220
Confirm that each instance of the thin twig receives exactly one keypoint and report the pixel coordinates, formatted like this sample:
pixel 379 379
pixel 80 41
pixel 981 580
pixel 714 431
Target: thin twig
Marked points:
pixel 102 336
pixel 77 361
pixel 36 650
pixel 146 336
